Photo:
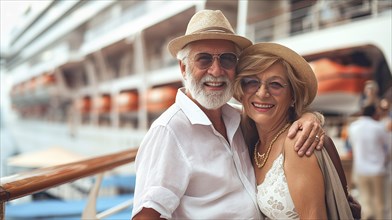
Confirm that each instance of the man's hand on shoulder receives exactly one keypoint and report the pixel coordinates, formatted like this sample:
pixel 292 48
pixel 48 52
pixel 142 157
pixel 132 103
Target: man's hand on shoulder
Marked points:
pixel 310 131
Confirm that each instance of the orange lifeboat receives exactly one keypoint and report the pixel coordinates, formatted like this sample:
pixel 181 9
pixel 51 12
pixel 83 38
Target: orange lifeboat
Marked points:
pixel 160 98
pixel 83 105
pixel 335 77
pixel 47 79
pixel 127 101
pixel 102 104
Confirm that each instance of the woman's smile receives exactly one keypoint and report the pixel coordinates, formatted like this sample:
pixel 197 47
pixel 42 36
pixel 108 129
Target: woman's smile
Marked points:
pixel 262 107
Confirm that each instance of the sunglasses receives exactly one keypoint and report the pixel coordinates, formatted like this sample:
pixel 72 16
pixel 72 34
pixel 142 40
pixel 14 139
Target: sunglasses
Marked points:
pixel 205 60
pixel 251 85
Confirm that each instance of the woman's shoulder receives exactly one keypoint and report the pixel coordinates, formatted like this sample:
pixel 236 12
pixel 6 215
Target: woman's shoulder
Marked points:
pixel 292 157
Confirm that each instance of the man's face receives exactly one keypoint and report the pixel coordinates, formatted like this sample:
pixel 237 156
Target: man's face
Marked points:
pixel 210 84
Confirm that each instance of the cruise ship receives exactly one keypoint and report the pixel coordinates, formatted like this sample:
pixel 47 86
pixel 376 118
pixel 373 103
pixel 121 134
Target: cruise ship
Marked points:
pixel 85 79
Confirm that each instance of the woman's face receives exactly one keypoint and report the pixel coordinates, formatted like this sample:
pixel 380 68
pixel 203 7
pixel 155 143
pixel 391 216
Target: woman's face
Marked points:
pixel 269 103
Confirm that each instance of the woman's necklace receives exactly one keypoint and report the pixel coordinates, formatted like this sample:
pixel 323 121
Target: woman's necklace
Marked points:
pixel 260 159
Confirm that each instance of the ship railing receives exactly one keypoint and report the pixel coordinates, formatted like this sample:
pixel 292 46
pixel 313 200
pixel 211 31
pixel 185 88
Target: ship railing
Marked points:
pixel 307 16
pixel 27 183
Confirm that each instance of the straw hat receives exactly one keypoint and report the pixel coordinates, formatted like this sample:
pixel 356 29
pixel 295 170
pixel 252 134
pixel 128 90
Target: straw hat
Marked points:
pixel 303 71
pixel 207 25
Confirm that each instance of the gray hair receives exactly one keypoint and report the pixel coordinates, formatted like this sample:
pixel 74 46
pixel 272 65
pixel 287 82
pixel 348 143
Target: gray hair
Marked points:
pixel 184 53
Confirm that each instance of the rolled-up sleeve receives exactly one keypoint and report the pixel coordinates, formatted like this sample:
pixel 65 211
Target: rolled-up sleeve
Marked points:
pixel 163 172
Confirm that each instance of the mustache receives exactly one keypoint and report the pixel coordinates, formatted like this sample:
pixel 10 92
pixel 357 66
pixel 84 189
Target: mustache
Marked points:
pixel 209 78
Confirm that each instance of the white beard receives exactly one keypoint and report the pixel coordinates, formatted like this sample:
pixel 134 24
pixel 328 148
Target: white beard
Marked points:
pixel 208 99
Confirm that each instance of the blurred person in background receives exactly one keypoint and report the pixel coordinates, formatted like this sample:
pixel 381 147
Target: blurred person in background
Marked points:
pixel 370 94
pixel 369 140
pixel 385 115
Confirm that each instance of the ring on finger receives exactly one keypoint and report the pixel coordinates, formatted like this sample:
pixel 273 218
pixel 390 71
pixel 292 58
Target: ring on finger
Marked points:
pixel 317 138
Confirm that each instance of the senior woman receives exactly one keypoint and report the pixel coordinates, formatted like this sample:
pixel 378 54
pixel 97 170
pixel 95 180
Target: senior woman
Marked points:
pixel 275 85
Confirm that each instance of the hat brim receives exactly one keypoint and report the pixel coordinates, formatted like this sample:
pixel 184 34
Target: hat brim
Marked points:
pixel 302 68
pixel 178 43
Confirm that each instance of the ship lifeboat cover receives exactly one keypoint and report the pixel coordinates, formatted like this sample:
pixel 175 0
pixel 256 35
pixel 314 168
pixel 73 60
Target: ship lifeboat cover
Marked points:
pixel 127 101
pixel 83 105
pixel 339 86
pixel 160 98
pixel 102 104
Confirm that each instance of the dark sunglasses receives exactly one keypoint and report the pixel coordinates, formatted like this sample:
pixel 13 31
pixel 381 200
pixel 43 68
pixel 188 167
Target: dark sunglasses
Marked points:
pixel 205 60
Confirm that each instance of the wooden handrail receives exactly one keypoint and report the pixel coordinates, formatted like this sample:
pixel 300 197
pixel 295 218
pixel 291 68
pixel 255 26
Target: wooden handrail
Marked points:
pixel 27 183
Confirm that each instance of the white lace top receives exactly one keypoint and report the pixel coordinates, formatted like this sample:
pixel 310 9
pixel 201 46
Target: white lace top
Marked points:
pixel 273 194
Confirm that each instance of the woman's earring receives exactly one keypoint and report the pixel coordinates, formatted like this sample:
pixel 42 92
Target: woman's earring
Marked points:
pixel 292 104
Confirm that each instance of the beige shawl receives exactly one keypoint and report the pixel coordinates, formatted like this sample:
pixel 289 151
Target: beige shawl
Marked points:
pixel 337 204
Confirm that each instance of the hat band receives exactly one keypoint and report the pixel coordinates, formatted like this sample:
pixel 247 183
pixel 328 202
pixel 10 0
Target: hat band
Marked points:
pixel 215 29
